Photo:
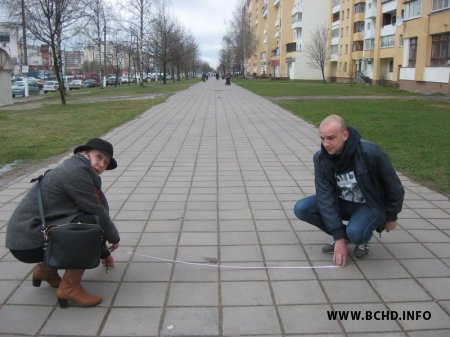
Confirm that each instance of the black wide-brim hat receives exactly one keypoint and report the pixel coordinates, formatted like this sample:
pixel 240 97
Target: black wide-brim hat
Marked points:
pixel 102 146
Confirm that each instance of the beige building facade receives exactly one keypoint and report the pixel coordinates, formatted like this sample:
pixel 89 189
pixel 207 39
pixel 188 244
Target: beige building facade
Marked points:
pixel 282 28
pixel 405 43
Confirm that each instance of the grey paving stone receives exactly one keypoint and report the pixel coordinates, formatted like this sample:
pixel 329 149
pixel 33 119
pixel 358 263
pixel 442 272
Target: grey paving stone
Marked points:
pixel 145 294
pixel 426 267
pixel 67 322
pixel 354 291
pixel 23 319
pixel 439 288
pixel 245 293
pixel 132 322
pixel 398 290
pixel 191 321
pixel 308 319
pixel 250 320
pixel 298 292
pixel 194 294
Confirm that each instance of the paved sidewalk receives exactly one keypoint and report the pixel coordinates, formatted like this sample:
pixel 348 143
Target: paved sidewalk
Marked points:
pixel 212 175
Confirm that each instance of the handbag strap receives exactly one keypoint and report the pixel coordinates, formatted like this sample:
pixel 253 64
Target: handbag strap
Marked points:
pixel 39 199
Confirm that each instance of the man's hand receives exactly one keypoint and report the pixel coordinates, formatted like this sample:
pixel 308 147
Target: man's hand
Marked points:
pixel 340 253
pixel 390 225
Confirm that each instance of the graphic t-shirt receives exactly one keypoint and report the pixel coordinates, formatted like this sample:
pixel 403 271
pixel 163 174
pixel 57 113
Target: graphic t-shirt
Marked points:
pixel 348 188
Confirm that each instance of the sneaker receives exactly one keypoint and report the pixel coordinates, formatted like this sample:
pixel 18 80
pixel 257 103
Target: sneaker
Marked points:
pixel 361 250
pixel 329 248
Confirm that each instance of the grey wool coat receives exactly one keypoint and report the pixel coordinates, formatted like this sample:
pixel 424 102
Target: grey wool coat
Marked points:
pixel 69 190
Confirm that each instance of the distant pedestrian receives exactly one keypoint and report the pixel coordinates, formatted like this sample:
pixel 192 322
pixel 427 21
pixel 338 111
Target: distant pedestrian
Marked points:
pixel 228 78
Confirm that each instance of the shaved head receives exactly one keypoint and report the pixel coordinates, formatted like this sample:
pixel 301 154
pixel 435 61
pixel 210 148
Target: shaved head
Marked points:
pixel 333 133
pixel 334 119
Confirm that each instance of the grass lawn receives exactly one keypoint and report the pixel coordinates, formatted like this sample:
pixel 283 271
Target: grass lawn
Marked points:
pixel 280 88
pixel 415 133
pixel 34 134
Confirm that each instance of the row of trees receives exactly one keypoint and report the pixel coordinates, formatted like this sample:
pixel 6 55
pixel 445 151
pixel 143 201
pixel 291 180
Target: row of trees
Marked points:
pixel 140 32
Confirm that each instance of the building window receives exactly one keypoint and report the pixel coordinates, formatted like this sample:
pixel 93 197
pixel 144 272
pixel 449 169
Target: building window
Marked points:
pixel 4 37
pixel 412 52
pixel 358 45
pixel 335 33
pixel 348 13
pixel 440 49
pixel 440 4
pixel 290 47
pixel 358 26
pixel 387 41
pixel 360 7
pixel 334 49
pixel 391 66
pixel 412 9
pixel 369 44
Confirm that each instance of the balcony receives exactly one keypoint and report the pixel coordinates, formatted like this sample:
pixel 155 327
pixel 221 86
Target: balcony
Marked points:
pixel 276 35
pixel 369 34
pixel 388 30
pixel 276 3
pixel 277 23
pixel 389 6
pixel 371 12
pixel 296 24
pixel 298 8
pixel 336 6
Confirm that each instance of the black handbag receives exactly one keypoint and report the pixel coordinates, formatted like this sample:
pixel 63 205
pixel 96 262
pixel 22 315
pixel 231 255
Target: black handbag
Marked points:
pixel 70 245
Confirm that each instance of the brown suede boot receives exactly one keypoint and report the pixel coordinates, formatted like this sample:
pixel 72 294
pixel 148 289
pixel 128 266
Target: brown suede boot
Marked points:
pixel 42 272
pixel 70 289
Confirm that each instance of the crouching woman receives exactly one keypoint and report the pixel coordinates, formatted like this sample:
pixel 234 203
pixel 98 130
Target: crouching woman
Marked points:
pixel 71 192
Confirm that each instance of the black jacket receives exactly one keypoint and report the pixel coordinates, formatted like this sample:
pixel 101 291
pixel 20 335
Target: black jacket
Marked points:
pixel 377 179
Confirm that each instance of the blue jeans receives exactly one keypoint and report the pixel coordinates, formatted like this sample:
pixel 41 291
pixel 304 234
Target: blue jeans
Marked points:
pixel 361 220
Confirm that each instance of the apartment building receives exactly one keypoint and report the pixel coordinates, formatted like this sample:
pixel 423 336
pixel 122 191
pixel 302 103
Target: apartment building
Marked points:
pixel 282 28
pixel 405 43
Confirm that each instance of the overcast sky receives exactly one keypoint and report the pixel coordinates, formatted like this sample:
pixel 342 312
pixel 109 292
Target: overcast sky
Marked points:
pixel 208 21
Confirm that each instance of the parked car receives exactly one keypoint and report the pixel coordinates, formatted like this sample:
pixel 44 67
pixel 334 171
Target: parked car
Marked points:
pixel 75 84
pixel 113 81
pixel 50 86
pixel 90 83
pixel 18 89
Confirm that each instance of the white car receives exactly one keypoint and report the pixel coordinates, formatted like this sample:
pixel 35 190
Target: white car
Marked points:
pixel 75 84
pixel 50 86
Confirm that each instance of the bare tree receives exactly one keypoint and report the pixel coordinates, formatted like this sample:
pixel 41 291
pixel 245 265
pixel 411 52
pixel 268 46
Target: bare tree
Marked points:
pixel 160 42
pixel 96 30
pixel 318 50
pixel 140 15
pixel 239 41
pixel 50 21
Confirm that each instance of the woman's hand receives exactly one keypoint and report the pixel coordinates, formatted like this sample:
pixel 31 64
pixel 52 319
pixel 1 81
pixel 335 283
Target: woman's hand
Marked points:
pixel 113 247
pixel 108 262
pixel 390 225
